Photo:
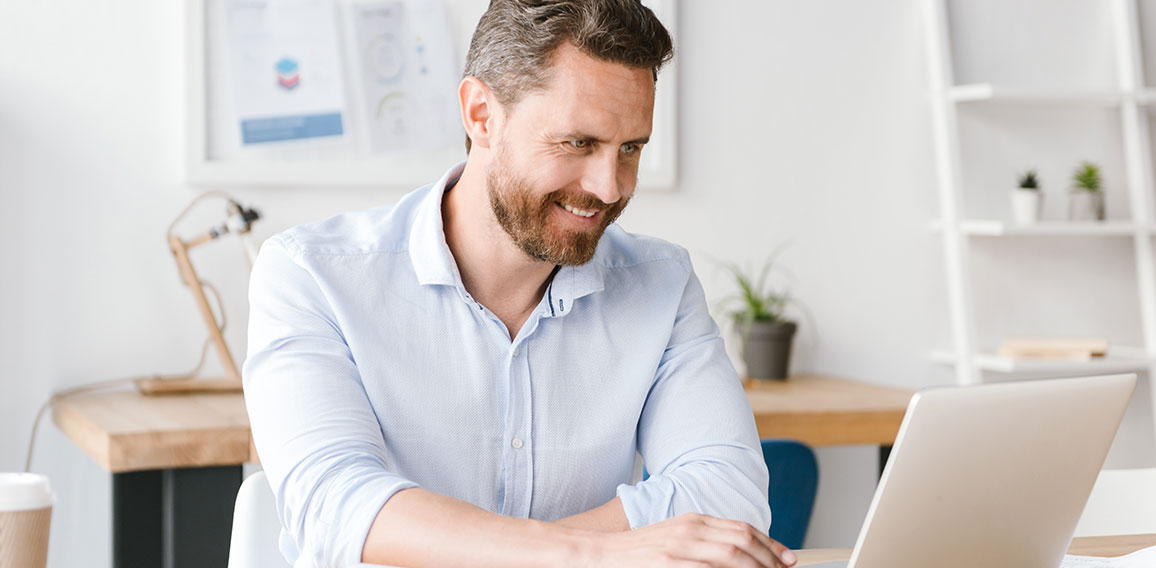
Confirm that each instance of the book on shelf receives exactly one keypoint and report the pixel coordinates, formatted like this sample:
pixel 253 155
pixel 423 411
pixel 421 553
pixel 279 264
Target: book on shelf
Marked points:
pixel 1083 349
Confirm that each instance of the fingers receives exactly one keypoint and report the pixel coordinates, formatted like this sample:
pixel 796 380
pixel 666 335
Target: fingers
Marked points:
pixel 766 545
pixel 686 564
pixel 718 542
pixel 749 543
pixel 721 554
pixel 785 555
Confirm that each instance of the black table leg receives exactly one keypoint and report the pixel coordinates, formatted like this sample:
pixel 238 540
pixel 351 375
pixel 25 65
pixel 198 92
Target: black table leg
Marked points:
pixel 198 520
pixel 175 518
pixel 136 515
pixel 884 455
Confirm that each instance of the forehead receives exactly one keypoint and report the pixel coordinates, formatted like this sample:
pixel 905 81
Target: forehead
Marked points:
pixel 596 97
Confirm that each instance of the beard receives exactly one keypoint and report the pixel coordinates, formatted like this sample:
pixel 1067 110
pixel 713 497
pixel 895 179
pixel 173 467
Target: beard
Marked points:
pixel 525 217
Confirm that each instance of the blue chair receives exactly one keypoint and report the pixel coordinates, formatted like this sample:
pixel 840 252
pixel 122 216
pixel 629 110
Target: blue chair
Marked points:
pixel 794 481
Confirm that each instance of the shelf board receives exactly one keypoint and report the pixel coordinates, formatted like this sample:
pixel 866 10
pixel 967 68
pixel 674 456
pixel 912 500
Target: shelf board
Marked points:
pixel 978 92
pixel 998 228
pixel 1119 359
pixel 1146 96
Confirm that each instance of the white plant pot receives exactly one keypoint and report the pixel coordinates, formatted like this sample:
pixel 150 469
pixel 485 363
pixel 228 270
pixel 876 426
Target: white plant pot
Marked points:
pixel 1085 205
pixel 1026 206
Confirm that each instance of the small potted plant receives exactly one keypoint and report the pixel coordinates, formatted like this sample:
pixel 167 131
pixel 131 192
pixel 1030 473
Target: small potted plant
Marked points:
pixel 1027 201
pixel 1086 199
pixel 758 314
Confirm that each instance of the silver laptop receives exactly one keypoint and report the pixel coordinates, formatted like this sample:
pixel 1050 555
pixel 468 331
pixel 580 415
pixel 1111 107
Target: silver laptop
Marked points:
pixel 993 475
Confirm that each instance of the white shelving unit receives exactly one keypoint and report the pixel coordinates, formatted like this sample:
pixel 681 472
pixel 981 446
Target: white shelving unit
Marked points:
pixel 1130 98
pixel 999 228
pixel 1123 359
pixel 978 92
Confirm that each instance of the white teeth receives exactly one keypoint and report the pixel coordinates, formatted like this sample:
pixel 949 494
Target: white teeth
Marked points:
pixel 579 212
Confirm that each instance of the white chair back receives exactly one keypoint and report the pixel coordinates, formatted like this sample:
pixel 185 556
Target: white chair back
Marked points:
pixel 1123 501
pixel 256 529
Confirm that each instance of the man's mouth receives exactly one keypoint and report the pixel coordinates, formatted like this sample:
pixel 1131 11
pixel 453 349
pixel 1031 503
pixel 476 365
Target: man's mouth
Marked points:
pixel 579 212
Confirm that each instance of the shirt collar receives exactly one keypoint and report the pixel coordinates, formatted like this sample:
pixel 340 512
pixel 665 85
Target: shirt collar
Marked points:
pixel 434 263
pixel 573 282
pixel 432 260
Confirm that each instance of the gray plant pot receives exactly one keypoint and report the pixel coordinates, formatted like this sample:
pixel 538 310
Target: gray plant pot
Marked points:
pixel 1085 205
pixel 767 349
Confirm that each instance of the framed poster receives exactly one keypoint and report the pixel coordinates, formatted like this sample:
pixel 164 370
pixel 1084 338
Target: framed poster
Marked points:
pixel 349 93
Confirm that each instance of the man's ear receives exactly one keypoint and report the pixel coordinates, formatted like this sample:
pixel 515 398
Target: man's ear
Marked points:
pixel 478 108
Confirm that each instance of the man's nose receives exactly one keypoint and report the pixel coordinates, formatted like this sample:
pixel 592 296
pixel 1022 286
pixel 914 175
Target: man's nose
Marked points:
pixel 601 177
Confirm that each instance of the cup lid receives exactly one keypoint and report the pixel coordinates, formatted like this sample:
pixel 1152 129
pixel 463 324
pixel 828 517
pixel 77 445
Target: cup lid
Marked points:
pixel 23 491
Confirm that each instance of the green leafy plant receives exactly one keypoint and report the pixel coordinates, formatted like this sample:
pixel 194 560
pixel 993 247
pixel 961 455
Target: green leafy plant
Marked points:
pixel 1028 180
pixel 756 299
pixel 1087 177
pixel 758 303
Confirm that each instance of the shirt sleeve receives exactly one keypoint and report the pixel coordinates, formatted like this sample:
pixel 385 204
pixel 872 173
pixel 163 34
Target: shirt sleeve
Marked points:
pixel 318 438
pixel 697 433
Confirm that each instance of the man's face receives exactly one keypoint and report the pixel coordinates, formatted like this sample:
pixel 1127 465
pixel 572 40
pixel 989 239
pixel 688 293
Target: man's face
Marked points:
pixel 565 161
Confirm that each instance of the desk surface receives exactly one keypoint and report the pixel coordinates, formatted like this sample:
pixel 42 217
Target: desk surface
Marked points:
pixel 126 431
pixel 824 411
pixel 1086 546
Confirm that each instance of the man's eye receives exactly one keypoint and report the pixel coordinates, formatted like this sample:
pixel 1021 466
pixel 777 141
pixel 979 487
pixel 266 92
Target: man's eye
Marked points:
pixel 580 144
pixel 629 149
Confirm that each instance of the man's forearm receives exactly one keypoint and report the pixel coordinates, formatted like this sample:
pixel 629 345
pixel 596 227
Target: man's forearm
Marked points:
pixel 609 517
pixel 421 528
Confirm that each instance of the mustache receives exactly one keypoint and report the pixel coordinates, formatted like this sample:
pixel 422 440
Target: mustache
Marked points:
pixel 579 200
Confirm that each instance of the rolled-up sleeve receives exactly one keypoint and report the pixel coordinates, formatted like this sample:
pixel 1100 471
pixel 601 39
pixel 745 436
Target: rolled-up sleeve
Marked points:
pixel 697 433
pixel 318 438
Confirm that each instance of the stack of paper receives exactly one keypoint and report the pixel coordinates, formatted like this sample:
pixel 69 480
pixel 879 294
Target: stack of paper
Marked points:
pixel 1145 558
pixel 1071 349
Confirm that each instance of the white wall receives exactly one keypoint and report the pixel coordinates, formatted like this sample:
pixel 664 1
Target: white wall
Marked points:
pixel 804 122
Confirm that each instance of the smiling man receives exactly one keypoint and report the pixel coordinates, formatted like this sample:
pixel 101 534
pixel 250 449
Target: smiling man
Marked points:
pixel 465 378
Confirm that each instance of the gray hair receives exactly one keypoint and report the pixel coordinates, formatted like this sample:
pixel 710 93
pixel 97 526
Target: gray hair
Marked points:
pixel 514 44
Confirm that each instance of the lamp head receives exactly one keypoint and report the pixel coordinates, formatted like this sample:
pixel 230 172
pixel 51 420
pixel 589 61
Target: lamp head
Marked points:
pixel 240 217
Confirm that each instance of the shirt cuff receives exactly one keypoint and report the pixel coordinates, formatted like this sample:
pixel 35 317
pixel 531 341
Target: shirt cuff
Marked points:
pixel 365 502
pixel 648 502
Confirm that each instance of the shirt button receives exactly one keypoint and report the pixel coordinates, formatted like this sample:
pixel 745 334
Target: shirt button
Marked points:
pixel 517 351
pixel 517 443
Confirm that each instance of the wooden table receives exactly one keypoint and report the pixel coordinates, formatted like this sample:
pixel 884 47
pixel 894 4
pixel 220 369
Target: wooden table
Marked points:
pixel 175 462
pixel 176 459
pixel 825 411
pixel 1087 546
pixel 124 431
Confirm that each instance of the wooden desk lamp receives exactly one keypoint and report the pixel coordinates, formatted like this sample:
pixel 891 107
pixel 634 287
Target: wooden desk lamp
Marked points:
pixel 240 221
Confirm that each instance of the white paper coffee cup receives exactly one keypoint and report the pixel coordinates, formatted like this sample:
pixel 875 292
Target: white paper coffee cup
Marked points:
pixel 26 501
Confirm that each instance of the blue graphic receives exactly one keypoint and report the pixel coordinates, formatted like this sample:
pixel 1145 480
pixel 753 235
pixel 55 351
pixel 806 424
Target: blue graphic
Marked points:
pixel 287 76
pixel 257 130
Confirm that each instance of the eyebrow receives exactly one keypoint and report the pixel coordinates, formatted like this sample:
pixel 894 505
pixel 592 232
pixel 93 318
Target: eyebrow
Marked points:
pixel 581 136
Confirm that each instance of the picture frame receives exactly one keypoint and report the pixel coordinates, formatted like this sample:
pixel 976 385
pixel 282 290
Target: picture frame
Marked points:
pixel 215 158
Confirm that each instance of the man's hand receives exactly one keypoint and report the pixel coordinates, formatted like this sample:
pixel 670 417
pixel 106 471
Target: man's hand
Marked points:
pixel 692 540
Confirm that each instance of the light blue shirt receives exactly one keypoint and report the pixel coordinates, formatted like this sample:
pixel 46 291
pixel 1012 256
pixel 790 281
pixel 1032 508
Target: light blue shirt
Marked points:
pixel 371 369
